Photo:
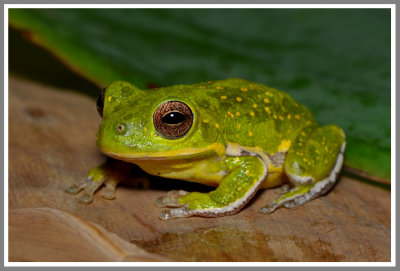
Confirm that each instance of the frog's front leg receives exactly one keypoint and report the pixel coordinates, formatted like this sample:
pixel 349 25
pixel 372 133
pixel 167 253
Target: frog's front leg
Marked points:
pixel 96 178
pixel 244 176
pixel 312 164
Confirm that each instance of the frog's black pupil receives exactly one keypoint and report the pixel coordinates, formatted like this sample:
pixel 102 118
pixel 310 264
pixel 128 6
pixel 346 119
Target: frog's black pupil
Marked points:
pixel 173 118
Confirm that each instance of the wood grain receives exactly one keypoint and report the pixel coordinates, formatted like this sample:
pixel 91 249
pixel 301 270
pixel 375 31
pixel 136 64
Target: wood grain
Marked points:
pixel 52 146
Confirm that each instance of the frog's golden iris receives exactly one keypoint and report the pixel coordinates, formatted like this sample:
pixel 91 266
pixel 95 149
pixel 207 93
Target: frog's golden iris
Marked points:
pixel 173 119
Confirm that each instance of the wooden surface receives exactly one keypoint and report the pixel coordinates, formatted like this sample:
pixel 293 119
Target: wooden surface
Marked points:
pixel 52 146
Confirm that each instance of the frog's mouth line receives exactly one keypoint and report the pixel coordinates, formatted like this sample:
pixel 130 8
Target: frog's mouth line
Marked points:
pixel 187 153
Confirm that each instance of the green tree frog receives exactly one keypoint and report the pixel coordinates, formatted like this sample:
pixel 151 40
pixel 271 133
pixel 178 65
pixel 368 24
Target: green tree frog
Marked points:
pixel 235 135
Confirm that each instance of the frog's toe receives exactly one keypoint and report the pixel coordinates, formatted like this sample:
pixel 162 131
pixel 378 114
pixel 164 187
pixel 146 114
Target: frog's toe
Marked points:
pixel 177 193
pixel 108 194
pixel 269 208
pixel 175 213
pixel 76 188
pixel 282 189
pixel 89 191
pixel 86 199
pixel 111 186
pixel 167 202
pixel 172 199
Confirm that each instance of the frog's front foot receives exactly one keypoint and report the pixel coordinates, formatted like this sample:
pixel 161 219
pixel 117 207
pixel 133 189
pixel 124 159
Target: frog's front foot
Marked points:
pixel 172 201
pixel 96 178
pixel 185 204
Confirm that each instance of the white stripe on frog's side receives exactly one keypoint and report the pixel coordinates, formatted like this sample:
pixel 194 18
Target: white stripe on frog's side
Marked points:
pixel 231 150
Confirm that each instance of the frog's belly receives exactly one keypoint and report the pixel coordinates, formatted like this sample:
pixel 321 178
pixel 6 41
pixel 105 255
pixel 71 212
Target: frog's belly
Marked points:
pixel 273 179
pixel 208 173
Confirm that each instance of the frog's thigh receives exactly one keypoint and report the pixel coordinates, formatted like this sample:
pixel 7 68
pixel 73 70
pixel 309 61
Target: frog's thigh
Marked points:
pixel 312 165
pixel 237 188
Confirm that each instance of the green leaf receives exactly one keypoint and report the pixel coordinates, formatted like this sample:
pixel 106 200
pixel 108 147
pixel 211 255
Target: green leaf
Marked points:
pixel 335 61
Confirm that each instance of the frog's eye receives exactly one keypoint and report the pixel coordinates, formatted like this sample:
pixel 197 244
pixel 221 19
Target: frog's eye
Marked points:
pixel 100 102
pixel 173 119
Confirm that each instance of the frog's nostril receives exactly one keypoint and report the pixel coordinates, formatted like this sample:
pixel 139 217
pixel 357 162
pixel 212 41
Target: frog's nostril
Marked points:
pixel 121 128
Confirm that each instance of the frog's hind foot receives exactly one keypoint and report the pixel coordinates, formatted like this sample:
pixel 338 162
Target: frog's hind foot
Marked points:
pixel 302 194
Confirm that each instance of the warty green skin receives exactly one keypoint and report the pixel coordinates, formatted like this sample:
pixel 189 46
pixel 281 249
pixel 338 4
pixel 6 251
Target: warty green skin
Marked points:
pixel 134 109
pixel 244 136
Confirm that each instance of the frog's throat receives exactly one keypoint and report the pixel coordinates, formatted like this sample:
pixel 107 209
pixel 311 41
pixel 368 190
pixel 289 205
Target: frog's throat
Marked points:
pixel 185 153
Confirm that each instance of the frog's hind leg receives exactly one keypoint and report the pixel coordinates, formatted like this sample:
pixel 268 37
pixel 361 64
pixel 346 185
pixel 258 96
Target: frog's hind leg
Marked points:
pixel 312 165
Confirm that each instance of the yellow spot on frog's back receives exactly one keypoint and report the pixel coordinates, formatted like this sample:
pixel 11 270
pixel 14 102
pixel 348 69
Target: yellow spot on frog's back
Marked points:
pixel 210 82
pixel 217 125
pixel 252 114
pixel 109 98
pixel 259 95
pixel 255 105
pixel 267 109
pixel 205 121
pixel 244 89
pixel 268 93
pixel 316 150
pixel 238 99
pixel 308 122
pixel 219 87
pixel 230 114
pixel 239 125
pixel 303 133
pixel 250 133
pixel 289 116
pixel 285 145
pixel 144 129
pixel 297 117
pixel 326 161
pixel 237 135
pixel 266 100
pixel 223 97
pixel 280 117
pixel 238 114
pixel 202 86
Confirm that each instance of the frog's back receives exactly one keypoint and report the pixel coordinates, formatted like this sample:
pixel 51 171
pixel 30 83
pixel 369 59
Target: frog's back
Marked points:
pixel 254 115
